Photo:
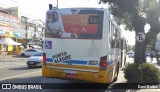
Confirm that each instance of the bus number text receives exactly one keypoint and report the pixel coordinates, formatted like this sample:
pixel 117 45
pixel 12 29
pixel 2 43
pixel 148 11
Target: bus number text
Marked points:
pixel 83 22
pixel 92 62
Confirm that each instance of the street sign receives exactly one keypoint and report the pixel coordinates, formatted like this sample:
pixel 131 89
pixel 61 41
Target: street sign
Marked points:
pixel 140 37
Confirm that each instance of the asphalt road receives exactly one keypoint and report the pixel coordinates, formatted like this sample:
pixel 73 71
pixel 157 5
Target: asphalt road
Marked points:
pixel 13 69
pixel 21 74
pixel 18 72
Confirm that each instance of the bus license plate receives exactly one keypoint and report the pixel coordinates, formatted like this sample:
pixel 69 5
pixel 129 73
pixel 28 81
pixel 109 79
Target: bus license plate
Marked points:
pixel 74 76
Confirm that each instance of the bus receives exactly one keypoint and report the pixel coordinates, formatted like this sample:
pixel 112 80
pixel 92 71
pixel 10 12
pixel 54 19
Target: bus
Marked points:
pixel 82 44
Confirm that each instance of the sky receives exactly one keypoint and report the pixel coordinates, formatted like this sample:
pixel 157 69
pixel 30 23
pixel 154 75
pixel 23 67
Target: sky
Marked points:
pixel 36 9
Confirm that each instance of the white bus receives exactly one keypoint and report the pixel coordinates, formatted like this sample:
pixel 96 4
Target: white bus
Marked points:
pixel 82 44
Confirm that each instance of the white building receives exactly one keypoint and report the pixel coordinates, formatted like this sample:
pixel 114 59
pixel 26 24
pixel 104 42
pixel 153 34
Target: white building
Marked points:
pixel 157 46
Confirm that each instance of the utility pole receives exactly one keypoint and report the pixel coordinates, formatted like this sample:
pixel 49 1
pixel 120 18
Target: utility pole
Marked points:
pixel 57 3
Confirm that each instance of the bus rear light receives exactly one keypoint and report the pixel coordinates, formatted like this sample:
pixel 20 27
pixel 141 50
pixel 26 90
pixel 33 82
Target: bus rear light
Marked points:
pixel 103 63
pixel 44 57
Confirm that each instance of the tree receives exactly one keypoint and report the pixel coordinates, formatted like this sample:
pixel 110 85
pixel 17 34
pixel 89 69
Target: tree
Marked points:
pixel 152 19
pixel 153 15
pixel 130 48
pixel 133 14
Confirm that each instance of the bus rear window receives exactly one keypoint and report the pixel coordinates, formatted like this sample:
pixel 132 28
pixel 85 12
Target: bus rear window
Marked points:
pixel 94 20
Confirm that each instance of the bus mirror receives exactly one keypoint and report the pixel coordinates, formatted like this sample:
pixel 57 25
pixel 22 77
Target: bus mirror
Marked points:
pixel 50 6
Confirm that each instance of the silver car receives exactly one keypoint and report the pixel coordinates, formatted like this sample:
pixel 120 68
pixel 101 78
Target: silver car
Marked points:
pixel 131 54
pixel 35 60
pixel 29 52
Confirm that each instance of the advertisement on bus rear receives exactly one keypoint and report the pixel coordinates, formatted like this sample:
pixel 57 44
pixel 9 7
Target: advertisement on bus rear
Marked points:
pixel 72 24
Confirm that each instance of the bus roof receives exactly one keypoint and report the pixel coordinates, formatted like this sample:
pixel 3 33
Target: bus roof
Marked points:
pixel 86 8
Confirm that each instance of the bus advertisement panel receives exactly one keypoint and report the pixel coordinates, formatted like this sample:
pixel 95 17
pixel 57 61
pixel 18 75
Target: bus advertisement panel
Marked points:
pixel 71 25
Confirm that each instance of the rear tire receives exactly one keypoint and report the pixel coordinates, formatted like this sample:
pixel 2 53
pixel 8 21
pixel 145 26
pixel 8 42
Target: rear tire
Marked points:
pixel 23 55
pixel 115 79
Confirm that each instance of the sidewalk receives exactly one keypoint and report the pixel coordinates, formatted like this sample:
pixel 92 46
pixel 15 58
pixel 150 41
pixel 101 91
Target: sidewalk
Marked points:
pixel 123 80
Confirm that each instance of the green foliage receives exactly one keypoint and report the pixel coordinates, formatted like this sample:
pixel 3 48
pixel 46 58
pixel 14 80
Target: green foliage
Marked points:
pixel 150 73
pixel 134 14
pixel 125 11
pixel 153 15
pixel 130 48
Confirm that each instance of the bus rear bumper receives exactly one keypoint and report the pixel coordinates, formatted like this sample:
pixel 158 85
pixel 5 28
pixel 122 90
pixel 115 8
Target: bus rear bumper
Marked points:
pixel 76 75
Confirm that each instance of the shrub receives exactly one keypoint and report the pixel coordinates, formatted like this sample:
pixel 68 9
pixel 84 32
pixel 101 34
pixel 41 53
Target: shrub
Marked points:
pixel 150 73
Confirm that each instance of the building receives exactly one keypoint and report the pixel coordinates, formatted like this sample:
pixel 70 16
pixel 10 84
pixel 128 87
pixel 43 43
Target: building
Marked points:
pixel 34 31
pixel 21 29
pixel 37 29
pixel 10 26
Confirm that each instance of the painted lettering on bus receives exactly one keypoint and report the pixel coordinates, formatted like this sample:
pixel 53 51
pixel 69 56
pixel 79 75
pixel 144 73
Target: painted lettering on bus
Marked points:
pixel 92 62
pixel 61 57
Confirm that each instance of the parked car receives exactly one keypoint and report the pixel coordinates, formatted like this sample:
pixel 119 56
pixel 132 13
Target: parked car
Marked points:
pixel 35 47
pixel 147 54
pixel 35 60
pixel 130 54
pixel 29 52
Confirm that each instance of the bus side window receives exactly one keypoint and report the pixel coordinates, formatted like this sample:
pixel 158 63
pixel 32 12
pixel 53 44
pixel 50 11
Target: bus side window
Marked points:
pixel 118 43
pixel 113 44
pixel 110 32
pixel 94 19
pixel 115 40
pixel 112 36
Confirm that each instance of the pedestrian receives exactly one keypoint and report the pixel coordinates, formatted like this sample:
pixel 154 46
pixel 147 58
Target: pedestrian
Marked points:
pixel 151 56
pixel 3 51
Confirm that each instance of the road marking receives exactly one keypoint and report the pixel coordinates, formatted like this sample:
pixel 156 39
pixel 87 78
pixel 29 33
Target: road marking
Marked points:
pixel 20 75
